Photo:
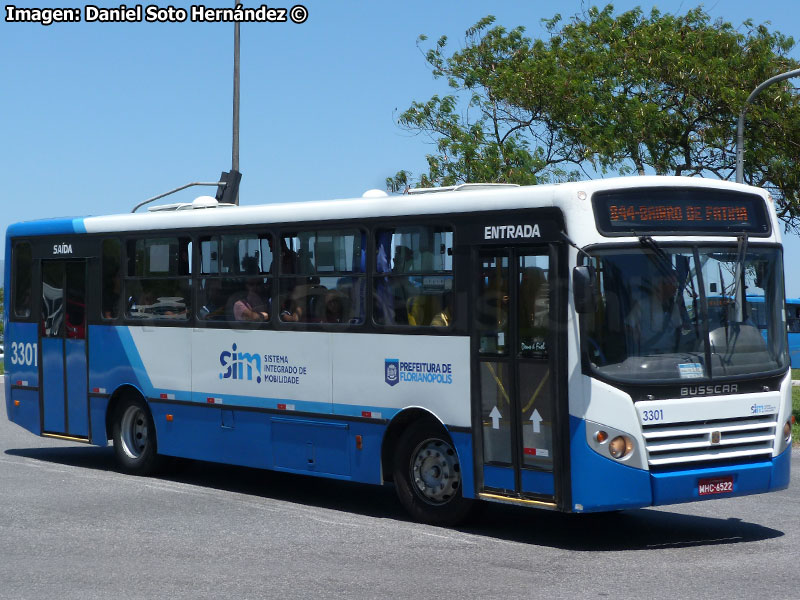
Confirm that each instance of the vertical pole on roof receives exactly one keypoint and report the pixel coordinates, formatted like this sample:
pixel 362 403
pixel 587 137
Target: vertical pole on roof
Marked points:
pixel 235 153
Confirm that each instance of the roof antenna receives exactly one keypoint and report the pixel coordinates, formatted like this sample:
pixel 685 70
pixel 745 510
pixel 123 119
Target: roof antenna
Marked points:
pixel 228 184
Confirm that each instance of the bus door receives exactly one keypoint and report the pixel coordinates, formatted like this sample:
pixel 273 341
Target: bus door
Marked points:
pixel 514 407
pixel 62 333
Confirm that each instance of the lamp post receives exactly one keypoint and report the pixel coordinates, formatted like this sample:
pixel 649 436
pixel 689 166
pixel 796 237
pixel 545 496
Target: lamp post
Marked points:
pixel 740 128
pixel 235 151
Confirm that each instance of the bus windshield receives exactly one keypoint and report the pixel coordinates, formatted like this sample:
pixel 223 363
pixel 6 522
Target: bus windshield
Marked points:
pixel 682 313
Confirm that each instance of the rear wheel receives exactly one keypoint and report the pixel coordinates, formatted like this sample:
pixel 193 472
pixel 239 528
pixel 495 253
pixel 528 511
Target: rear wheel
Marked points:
pixel 135 437
pixel 427 476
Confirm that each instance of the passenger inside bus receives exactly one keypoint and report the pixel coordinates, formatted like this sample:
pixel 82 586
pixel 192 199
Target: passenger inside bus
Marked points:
pixel 445 316
pixel 253 304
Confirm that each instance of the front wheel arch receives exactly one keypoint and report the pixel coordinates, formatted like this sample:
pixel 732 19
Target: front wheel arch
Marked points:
pixel 409 417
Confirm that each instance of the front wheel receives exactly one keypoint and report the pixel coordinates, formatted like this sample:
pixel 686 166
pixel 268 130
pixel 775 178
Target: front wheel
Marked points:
pixel 427 476
pixel 135 437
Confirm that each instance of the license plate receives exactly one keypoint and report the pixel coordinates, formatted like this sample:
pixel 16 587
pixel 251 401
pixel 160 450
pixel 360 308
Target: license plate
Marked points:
pixel 717 485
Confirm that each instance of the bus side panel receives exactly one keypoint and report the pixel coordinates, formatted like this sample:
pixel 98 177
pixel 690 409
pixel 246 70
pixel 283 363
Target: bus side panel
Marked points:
pixel 268 441
pixel 599 483
pixel 22 375
pixel 430 371
pixel 26 414
pixel 213 434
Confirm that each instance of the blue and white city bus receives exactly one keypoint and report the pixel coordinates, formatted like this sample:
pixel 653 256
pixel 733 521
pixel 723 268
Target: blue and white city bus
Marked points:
pixel 551 346
pixel 760 316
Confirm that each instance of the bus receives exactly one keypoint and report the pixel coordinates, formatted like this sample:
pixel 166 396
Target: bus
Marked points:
pixel 551 346
pixel 760 316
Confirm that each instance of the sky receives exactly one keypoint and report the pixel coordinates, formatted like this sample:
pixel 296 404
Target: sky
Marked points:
pixel 97 117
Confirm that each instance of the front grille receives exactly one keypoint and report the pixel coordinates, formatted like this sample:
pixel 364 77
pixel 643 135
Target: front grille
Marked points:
pixel 710 442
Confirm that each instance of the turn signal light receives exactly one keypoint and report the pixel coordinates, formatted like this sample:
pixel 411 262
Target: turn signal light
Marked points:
pixel 169 418
pixel 601 436
pixel 359 442
pixel 787 430
pixel 16 402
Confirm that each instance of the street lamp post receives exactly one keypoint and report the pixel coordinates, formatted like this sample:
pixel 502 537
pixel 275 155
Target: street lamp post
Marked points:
pixel 740 128
pixel 235 152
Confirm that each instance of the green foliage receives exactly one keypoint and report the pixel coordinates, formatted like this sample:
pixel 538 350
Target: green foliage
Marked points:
pixel 623 93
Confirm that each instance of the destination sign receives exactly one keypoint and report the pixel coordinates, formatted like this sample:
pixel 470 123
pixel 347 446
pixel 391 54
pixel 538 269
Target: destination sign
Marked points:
pixel 680 211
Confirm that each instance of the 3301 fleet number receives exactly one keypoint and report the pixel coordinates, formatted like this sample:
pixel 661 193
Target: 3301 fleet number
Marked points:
pixel 652 415
pixel 24 354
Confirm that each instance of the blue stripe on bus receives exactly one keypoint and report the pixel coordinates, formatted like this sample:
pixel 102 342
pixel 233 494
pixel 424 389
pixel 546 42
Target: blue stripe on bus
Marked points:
pixel 62 225
pixel 114 361
pixel 135 361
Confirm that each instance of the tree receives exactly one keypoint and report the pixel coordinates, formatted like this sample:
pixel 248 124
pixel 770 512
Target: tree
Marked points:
pixel 606 93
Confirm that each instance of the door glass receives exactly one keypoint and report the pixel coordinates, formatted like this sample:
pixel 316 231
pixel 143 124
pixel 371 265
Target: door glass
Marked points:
pixel 492 305
pixel 533 377
pixel 52 299
pixel 534 305
pixel 496 412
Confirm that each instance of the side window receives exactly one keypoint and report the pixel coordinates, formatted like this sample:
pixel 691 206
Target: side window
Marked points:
pixel 322 276
pixel 413 282
pixel 235 283
pixel 112 278
pixel 157 284
pixel 23 275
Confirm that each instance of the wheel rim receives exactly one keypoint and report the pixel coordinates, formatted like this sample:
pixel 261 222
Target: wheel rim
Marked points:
pixel 133 432
pixel 435 472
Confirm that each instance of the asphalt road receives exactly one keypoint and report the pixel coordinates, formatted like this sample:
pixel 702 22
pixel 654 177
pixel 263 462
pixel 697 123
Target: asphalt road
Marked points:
pixel 72 527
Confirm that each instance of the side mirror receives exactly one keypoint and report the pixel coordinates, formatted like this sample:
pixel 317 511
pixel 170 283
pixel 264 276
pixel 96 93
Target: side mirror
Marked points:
pixel 583 288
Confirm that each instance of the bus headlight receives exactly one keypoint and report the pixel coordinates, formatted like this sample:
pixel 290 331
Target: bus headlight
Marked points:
pixel 620 447
pixel 787 431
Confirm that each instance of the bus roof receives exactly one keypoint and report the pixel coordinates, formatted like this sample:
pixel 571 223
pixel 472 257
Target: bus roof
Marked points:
pixel 571 198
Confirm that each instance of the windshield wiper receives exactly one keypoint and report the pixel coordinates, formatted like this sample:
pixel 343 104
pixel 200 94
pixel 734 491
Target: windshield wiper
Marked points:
pixel 665 265
pixel 741 253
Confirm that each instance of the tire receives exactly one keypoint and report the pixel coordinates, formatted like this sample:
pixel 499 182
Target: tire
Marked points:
pixel 427 476
pixel 134 435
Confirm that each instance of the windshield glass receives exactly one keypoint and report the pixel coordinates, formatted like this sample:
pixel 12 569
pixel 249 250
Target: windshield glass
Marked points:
pixel 676 313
